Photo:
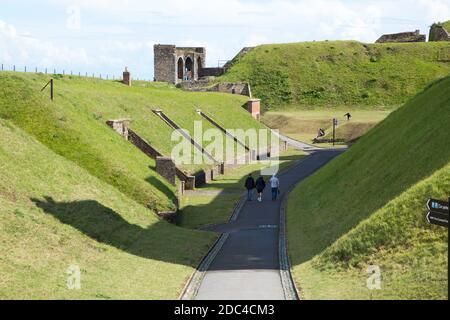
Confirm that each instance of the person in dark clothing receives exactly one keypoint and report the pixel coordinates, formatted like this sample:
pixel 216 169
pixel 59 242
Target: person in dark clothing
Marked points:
pixel 260 186
pixel 321 133
pixel 249 185
pixel 348 115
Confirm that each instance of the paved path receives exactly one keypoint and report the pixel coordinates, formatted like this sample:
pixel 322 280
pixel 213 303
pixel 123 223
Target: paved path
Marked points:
pixel 297 144
pixel 200 192
pixel 247 266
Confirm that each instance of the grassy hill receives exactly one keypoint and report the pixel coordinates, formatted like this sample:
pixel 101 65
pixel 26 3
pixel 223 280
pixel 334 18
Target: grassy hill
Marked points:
pixel 445 24
pixel 74 192
pixel 367 207
pixel 303 125
pixel 339 73
pixel 74 125
pixel 55 214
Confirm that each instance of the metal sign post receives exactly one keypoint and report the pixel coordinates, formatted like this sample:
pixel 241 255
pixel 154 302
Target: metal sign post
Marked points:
pixel 335 124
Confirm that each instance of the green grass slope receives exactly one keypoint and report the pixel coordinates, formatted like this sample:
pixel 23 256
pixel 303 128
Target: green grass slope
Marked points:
pixel 74 125
pixel 339 73
pixel 55 214
pixel 446 25
pixel 367 207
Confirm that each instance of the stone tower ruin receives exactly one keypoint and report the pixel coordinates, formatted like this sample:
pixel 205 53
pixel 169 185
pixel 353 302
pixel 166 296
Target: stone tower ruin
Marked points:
pixel 174 64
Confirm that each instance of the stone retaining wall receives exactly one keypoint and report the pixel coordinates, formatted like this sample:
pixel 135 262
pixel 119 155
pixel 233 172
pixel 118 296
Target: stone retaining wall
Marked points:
pixel 121 127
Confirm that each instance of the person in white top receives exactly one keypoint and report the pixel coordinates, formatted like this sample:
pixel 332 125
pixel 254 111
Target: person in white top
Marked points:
pixel 275 185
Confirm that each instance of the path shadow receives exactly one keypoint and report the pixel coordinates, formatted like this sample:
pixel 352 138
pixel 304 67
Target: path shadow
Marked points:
pixel 108 227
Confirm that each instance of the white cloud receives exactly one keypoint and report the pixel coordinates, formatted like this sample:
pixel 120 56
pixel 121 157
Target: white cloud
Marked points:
pixel 23 49
pixel 113 33
pixel 436 10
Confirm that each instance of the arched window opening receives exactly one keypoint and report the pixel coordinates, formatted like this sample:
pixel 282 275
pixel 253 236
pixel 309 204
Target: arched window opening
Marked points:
pixel 189 69
pixel 180 69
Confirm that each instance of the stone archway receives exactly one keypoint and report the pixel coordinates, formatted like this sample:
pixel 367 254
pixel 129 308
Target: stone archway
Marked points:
pixel 189 66
pixel 180 69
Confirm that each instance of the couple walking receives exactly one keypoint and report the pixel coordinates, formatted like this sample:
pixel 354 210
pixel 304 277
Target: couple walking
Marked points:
pixel 260 185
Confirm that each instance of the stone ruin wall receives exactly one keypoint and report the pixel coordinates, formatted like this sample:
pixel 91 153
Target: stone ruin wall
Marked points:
pixel 167 58
pixel 164 63
pixel 403 37
pixel 439 33
pixel 243 89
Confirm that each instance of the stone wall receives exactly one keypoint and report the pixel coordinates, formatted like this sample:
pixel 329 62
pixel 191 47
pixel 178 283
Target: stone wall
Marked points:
pixel 212 72
pixel 121 127
pixel 175 64
pixel 403 37
pixel 439 33
pixel 145 147
pixel 231 88
pixel 165 63
pixel 165 167
pixel 142 145
pixel 234 88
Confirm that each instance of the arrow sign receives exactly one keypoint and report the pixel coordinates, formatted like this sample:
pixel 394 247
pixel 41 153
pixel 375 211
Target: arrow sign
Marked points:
pixel 438 213
pixel 440 219
pixel 437 206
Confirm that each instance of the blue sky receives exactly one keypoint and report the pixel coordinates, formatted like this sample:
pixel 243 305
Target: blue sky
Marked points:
pixel 104 36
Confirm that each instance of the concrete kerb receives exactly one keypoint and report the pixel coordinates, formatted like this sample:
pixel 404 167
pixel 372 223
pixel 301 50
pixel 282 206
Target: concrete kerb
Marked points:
pixel 291 292
pixel 193 285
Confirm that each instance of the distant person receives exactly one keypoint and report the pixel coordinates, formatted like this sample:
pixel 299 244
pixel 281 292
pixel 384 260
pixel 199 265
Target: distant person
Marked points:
pixel 348 115
pixel 275 185
pixel 321 133
pixel 260 186
pixel 249 185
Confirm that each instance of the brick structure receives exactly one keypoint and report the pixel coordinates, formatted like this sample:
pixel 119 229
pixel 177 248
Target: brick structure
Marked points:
pixel 166 169
pixel 176 64
pixel 403 37
pixel 126 77
pixel 439 33
pixel 120 126
pixel 254 107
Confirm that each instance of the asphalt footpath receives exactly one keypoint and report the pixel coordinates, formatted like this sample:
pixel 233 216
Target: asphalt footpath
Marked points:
pixel 247 266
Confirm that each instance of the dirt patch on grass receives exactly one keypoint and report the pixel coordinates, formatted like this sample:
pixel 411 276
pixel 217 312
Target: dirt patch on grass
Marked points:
pixel 294 125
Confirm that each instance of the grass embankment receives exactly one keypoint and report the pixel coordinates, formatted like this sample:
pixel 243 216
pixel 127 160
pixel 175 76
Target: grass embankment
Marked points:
pixel 339 73
pixel 74 125
pixel 367 207
pixel 214 203
pixel 55 214
pixel 303 125
pixel 74 192
pixel 446 25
